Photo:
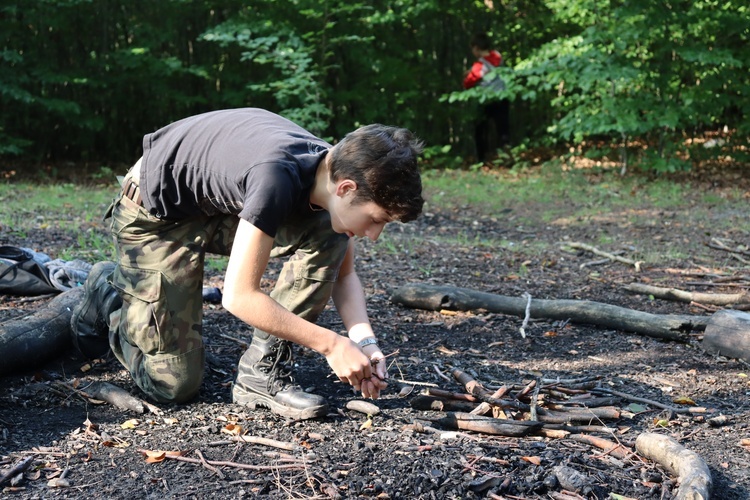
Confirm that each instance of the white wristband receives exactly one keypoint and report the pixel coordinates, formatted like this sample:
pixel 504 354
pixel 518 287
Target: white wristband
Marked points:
pixel 368 341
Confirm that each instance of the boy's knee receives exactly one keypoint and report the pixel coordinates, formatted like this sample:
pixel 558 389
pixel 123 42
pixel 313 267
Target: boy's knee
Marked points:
pixel 172 379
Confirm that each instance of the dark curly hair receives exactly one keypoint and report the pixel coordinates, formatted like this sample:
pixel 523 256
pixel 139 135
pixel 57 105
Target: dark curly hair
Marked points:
pixel 382 160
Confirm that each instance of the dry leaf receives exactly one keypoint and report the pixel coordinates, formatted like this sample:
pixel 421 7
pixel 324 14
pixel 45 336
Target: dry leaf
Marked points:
pixel 157 456
pixel 405 391
pixel 550 333
pixel 232 429
pixel 58 482
pixel 683 400
pixel 170 420
pixel 153 457
pixel 130 424
pixel 533 460
pixel 446 351
pixel 366 425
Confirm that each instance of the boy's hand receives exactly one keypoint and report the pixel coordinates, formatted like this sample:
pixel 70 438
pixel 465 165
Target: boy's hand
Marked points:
pixel 371 387
pixel 349 363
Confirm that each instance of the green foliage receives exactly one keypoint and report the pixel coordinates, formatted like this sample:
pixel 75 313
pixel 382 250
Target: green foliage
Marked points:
pixel 86 80
pixel 645 70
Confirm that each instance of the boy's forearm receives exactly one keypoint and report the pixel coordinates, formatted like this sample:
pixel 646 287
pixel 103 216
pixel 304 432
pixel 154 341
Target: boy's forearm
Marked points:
pixel 349 298
pixel 261 311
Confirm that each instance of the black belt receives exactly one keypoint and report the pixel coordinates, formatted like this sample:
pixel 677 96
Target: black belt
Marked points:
pixel 132 192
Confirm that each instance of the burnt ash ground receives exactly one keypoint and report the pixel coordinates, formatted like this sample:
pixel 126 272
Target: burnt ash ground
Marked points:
pixel 344 455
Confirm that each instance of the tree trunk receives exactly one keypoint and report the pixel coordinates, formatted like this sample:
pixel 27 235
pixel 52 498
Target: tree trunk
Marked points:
pixel 664 326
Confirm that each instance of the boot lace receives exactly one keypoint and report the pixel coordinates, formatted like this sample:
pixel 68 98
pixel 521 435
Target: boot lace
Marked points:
pixel 281 368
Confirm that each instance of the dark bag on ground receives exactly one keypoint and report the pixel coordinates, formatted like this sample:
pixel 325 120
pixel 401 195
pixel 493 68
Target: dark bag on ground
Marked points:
pixel 20 274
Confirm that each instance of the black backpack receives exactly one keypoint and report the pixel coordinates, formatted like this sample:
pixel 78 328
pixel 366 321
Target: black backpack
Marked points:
pixel 20 274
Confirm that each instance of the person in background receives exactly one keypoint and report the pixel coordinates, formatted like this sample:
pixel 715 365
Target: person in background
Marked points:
pixel 252 185
pixel 492 127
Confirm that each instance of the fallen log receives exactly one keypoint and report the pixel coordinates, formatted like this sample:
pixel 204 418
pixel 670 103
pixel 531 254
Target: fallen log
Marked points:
pixel 691 470
pixel 714 299
pixel 663 326
pixel 728 334
pixel 28 341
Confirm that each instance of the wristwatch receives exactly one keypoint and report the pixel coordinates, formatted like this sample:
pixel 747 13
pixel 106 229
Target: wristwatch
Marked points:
pixel 368 341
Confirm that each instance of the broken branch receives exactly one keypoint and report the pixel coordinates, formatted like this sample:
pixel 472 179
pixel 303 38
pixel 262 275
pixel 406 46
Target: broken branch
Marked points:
pixel 488 425
pixel 630 397
pixel 17 469
pixel 610 448
pixel 602 253
pixel 221 463
pixel 692 472
pixel 716 299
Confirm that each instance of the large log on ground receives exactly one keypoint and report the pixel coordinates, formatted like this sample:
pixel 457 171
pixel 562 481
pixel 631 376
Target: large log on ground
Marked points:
pixel 28 341
pixel 728 334
pixel 664 326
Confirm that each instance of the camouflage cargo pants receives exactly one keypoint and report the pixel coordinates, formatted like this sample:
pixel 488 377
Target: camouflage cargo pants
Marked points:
pixel 157 334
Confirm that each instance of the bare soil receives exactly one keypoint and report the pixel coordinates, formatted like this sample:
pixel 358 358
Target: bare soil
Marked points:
pixel 352 455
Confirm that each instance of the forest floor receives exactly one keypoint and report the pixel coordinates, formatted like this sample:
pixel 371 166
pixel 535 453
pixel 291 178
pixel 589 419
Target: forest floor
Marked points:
pixel 83 448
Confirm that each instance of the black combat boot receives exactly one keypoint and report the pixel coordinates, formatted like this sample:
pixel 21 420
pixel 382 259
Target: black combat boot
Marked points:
pixel 264 378
pixel 90 320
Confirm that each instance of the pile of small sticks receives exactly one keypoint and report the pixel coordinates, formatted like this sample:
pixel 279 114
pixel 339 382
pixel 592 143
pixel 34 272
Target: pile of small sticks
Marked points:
pixel 553 408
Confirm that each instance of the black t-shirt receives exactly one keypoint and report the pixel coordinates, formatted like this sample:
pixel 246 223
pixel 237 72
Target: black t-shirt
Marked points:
pixel 249 162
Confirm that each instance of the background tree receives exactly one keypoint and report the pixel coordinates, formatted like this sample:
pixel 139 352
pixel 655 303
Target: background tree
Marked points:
pixel 85 80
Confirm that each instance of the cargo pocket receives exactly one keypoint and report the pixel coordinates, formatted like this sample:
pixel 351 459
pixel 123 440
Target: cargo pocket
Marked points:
pixel 310 293
pixel 144 308
pixel 322 274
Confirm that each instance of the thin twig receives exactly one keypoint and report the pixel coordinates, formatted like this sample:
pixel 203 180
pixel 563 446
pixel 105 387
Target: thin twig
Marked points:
pixel 243 343
pixel 411 382
pixel 525 323
pixel 209 466
pixel 441 374
pixel 534 396
pixel 236 465
pixel 611 256
pixel 651 402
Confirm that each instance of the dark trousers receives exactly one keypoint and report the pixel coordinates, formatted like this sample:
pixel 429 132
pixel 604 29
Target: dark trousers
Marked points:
pixel 492 129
